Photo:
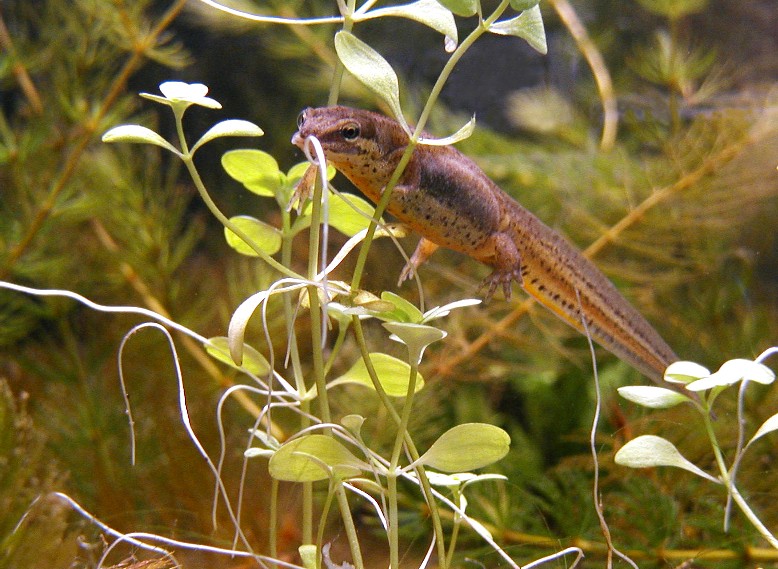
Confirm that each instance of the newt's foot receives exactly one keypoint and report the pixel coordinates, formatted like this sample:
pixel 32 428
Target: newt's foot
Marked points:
pixel 504 278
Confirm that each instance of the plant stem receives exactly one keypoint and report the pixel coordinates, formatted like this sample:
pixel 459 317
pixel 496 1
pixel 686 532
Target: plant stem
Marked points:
pixel 317 329
pixel 412 450
pixel 351 530
pixel 730 486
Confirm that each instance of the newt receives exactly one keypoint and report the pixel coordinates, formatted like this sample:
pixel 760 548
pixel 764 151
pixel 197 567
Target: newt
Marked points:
pixel 447 199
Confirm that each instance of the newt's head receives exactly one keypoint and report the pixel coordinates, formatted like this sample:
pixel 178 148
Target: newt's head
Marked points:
pixel 351 138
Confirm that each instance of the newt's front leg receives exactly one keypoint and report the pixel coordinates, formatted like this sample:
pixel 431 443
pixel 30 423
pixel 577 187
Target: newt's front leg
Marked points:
pixel 423 251
pixel 500 253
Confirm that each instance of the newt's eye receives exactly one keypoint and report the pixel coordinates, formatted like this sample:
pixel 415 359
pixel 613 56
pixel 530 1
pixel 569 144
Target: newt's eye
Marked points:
pixel 300 119
pixel 350 131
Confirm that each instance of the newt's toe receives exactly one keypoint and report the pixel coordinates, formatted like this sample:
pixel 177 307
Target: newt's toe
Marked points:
pixel 498 277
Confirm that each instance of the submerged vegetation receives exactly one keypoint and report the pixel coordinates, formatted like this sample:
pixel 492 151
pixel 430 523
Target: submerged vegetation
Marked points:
pixel 643 135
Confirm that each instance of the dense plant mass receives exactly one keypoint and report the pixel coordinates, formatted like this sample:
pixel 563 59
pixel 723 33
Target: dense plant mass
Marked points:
pixel 163 263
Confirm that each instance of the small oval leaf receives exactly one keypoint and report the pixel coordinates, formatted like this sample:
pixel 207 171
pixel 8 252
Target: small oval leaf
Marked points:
pixel 370 68
pixel 256 170
pixel 253 361
pixel 467 447
pixel 343 216
pixel 528 25
pixel 652 397
pixel 464 132
pixel 137 134
pixel 416 336
pixel 314 457
pixel 393 374
pixel 428 12
pixel 265 236
pixel 647 451
pixel 685 372
pixel 232 127
pixel 464 8
pixel 402 311
pixel 767 427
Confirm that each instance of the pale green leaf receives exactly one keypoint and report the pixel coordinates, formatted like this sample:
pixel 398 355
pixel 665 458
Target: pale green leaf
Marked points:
pixel 467 447
pixel 194 93
pixel 255 452
pixel 401 311
pixel 393 374
pixel 314 457
pixel 647 451
pixel 344 218
pixel 458 136
pixel 236 330
pixel 732 372
pixel 137 134
pixel 253 361
pixel 652 397
pixel 464 8
pixel 685 372
pixel 353 422
pixel 767 427
pixel 521 5
pixel 528 25
pixel 256 170
pixel 445 310
pixel 264 236
pixel 231 127
pixel 428 12
pixel 416 336
pixel 371 69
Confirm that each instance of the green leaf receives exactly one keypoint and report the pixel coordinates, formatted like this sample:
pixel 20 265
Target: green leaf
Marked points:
pixel 767 427
pixel 137 134
pixel 528 25
pixel 416 336
pixel 256 452
pixel 464 8
pixel 253 361
pixel 445 310
pixel 732 372
pixel 371 69
pixel 314 457
pixel 652 397
pixel 265 236
pixel 467 447
pixel 647 451
pixel 521 5
pixel 403 311
pixel 232 127
pixel 191 93
pixel 256 170
pixel 344 218
pixel 392 373
pixel 685 372
pixel 428 12
pixel 309 555
pixel 458 136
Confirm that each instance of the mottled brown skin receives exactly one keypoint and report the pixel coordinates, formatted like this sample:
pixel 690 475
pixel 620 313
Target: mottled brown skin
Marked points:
pixel 446 198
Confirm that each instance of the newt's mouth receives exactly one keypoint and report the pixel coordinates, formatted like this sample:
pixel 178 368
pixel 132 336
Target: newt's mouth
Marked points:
pixel 298 140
